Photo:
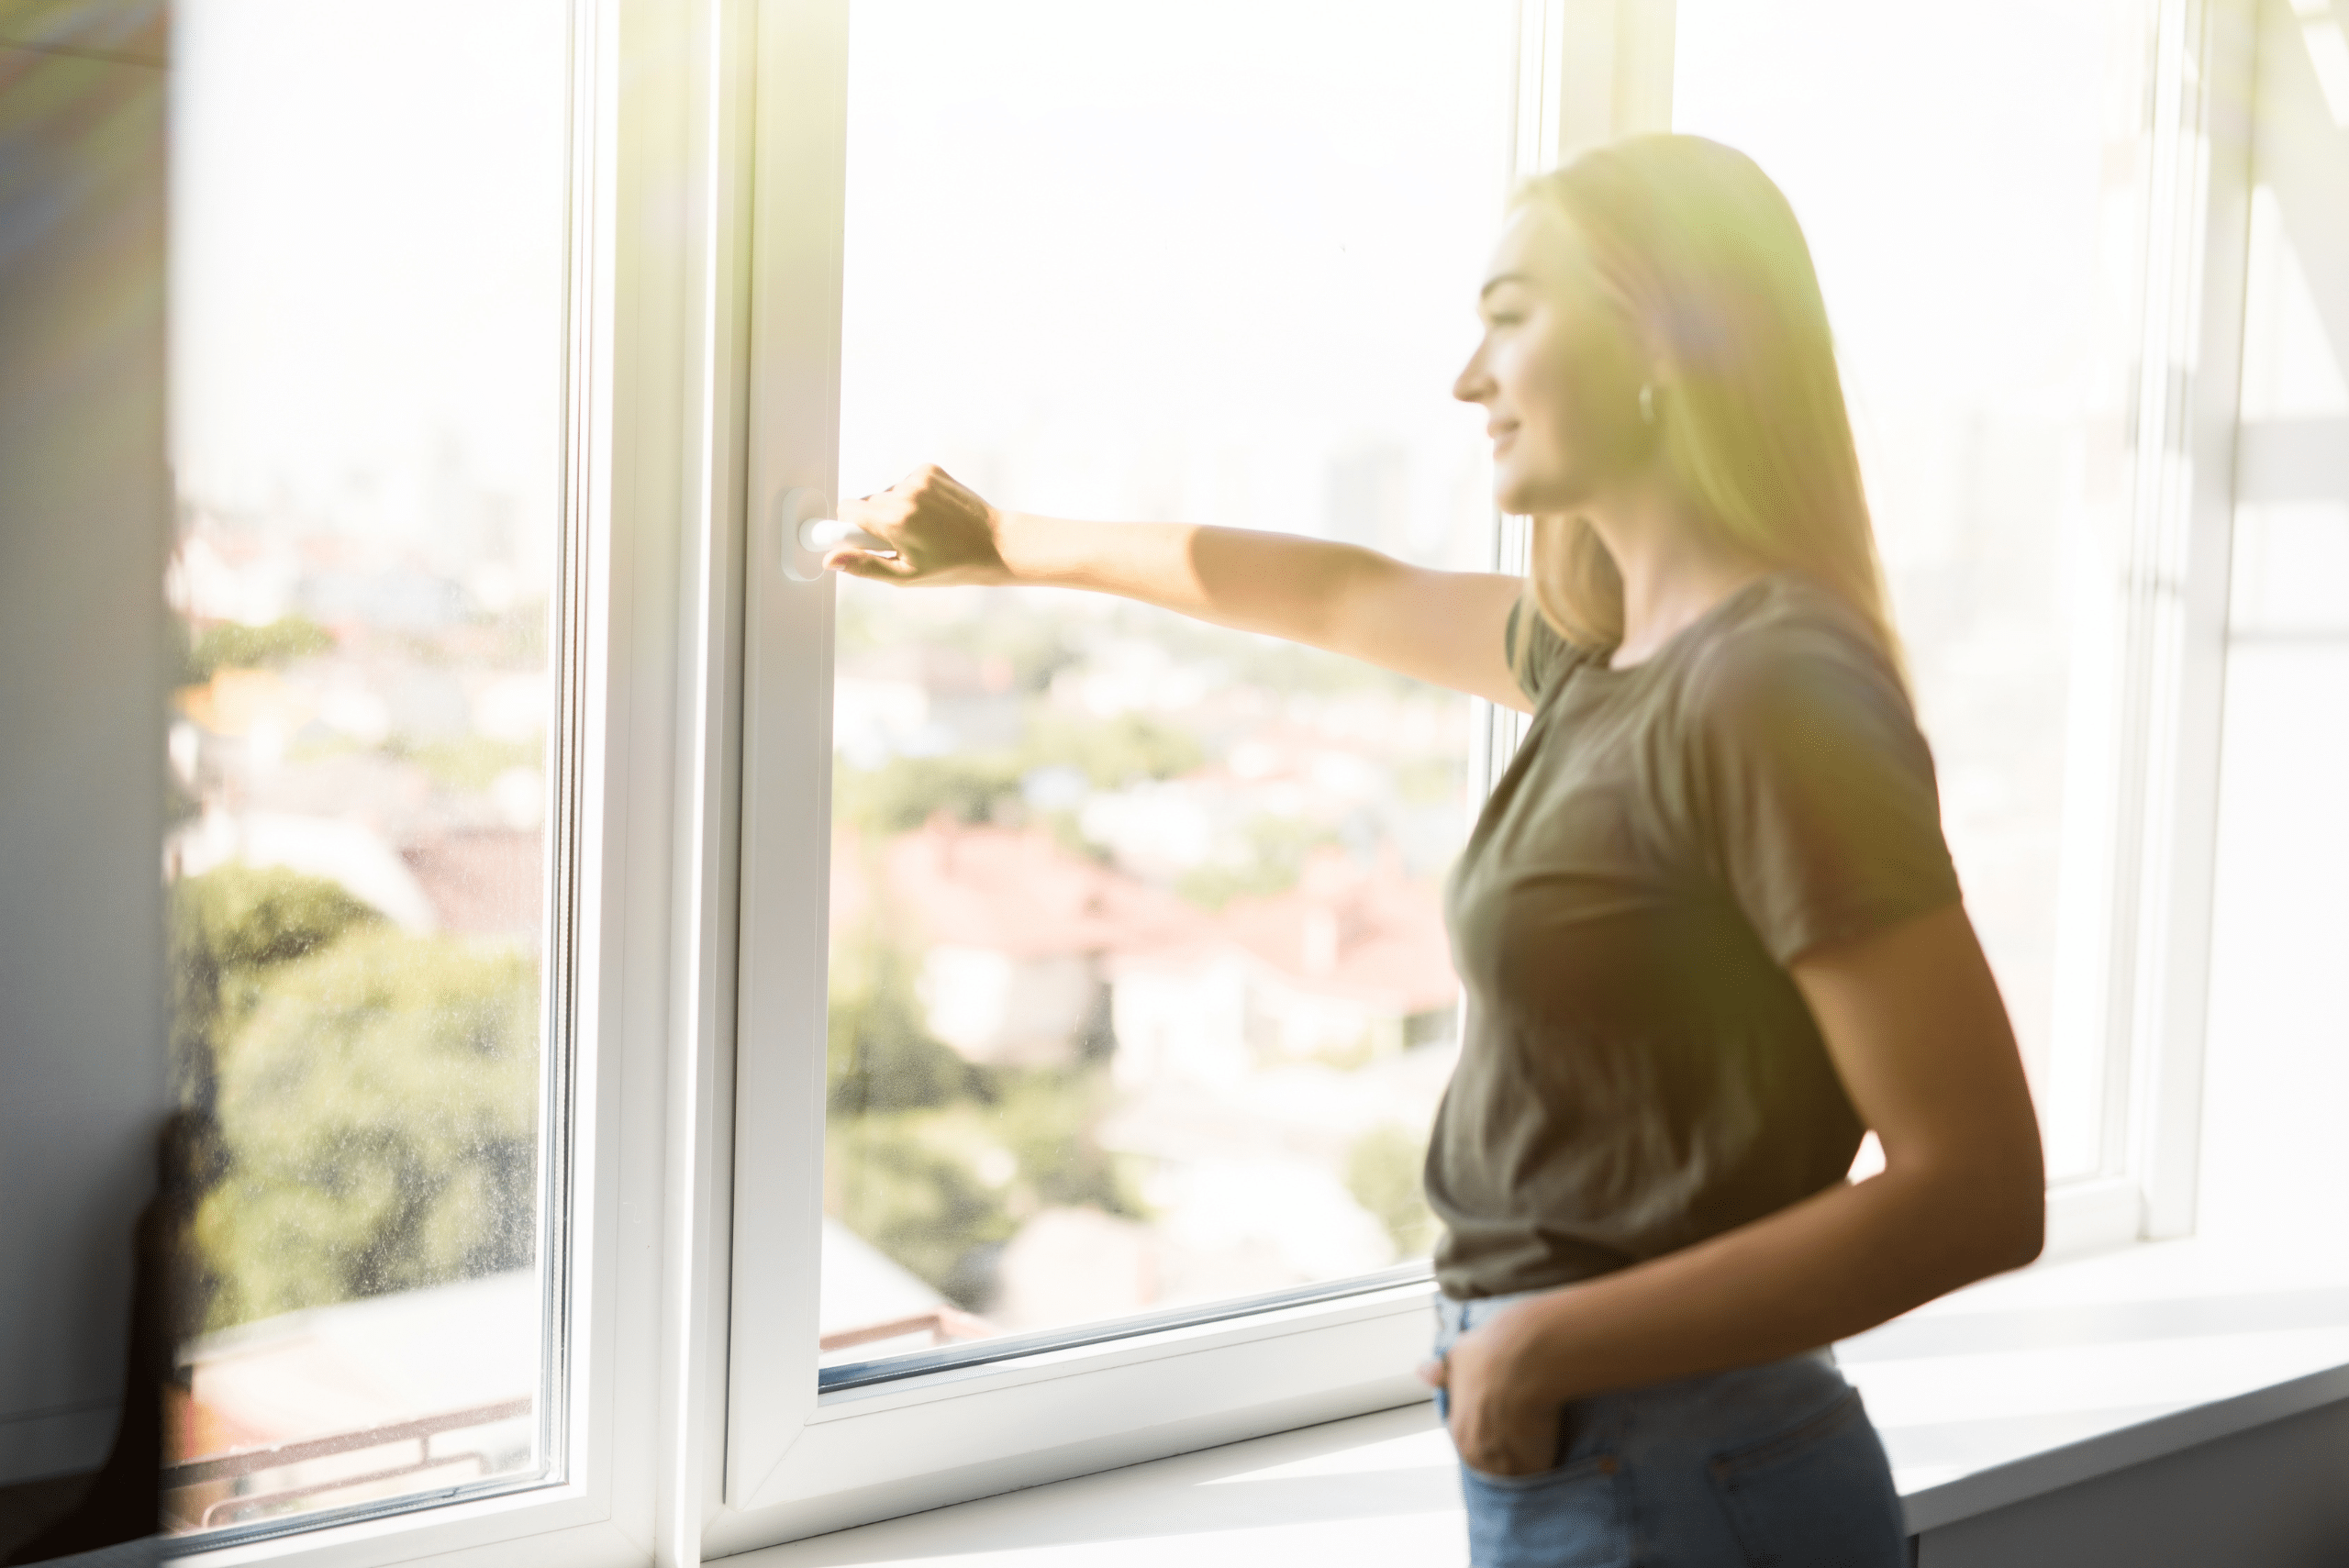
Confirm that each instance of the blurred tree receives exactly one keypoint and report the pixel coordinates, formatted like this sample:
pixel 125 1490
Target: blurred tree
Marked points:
pixel 935 1160
pixel 1044 1116
pixel 986 787
pixel 878 1056
pixel 897 1179
pixel 230 929
pixel 232 646
pixel 376 1095
pixel 1278 847
pixel 471 762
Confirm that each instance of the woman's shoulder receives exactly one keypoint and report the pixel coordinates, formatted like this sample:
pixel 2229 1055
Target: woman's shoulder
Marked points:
pixel 1787 624
pixel 1538 655
pixel 1787 644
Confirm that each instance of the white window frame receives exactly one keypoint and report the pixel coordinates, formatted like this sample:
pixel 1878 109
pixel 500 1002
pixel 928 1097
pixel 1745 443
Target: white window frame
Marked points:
pixel 2160 852
pixel 708 183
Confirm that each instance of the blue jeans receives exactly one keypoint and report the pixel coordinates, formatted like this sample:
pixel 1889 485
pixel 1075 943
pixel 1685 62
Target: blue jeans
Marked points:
pixel 1772 1466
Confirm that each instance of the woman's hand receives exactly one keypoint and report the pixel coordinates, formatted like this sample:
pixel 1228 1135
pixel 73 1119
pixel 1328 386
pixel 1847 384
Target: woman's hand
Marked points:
pixel 1496 1429
pixel 942 532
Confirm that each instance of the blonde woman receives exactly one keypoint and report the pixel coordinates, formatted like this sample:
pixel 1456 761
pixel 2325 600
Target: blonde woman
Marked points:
pixel 1707 921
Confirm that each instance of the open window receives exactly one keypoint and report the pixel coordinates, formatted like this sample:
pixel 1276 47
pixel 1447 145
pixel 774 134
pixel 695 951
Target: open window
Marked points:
pixel 1012 1021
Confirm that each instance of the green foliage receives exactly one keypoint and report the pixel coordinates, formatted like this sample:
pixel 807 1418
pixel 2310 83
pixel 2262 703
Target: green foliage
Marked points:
pixel 241 917
pixel 470 763
pixel 231 646
pixel 877 1054
pixel 905 791
pixel 1383 1173
pixel 898 1180
pixel 984 786
pixel 375 1094
pixel 1114 751
pixel 231 928
pixel 1044 1117
pixel 932 1159
pixel 379 1103
pixel 1278 847
pixel 940 1188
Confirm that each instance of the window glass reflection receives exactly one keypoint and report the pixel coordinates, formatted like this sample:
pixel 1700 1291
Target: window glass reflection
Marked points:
pixel 368 296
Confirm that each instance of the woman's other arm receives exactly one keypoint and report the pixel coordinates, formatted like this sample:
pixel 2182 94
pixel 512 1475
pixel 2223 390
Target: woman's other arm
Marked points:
pixel 1444 628
pixel 1913 1021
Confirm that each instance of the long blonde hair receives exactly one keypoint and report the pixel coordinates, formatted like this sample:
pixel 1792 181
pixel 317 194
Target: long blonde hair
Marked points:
pixel 1703 254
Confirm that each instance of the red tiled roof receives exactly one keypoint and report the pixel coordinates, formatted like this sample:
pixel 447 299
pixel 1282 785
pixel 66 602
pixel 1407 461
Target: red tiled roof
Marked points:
pixel 1369 933
pixel 1352 931
pixel 1017 890
pixel 484 882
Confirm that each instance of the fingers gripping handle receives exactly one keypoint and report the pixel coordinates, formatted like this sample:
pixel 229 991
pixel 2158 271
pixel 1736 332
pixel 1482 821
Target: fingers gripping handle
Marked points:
pixel 807 533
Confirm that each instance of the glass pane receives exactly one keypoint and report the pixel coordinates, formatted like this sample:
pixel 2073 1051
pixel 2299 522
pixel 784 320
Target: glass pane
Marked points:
pixel 368 304
pixel 1977 247
pixel 1141 994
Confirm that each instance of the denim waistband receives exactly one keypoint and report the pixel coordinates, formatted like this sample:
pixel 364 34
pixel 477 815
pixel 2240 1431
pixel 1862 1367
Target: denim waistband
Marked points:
pixel 1455 1317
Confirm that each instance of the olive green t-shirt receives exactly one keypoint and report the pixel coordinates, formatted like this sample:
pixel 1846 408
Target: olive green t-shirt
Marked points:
pixel 1638 1071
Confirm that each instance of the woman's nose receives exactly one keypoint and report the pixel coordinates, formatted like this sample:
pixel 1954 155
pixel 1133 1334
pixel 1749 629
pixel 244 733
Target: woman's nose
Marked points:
pixel 1473 385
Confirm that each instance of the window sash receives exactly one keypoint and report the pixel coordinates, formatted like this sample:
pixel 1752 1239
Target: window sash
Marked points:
pixel 795 1460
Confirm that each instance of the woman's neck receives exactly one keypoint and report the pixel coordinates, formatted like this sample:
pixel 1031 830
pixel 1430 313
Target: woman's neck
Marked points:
pixel 1674 569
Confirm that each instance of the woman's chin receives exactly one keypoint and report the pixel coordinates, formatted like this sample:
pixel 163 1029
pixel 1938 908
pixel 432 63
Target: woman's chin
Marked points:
pixel 1524 501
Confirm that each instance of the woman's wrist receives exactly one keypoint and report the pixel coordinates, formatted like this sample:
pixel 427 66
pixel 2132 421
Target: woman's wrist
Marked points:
pixel 1535 1353
pixel 1065 552
pixel 1024 547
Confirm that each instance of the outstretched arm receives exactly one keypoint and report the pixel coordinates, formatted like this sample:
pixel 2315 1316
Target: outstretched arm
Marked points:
pixel 1444 628
pixel 1912 1019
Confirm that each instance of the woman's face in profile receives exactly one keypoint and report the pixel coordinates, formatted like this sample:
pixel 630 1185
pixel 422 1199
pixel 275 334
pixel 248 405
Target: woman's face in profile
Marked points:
pixel 1557 372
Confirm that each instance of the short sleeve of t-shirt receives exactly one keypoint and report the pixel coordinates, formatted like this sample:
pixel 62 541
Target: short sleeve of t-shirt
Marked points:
pixel 1536 652
pixel 1816 787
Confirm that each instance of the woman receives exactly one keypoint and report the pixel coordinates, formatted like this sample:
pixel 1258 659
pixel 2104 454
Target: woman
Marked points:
pixel 1707 921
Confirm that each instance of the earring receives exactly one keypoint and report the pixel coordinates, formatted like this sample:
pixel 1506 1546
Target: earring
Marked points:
pixel 1647 402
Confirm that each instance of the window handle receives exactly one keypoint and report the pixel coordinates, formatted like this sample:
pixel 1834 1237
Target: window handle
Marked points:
pixel 820 534
pixel 808 529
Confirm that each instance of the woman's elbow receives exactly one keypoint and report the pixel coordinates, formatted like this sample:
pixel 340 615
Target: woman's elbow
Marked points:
pixel 1985 1217
pixel 2026 1232
pixel 2006 1211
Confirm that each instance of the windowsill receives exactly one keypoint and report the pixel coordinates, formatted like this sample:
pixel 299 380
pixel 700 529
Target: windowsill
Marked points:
pixel 2010 1389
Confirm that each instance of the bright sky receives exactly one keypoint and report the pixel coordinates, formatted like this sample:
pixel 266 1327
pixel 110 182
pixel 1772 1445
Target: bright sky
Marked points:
pixel 1180 259
pixel 1945 163
pixel 367 245
pixel 1117 259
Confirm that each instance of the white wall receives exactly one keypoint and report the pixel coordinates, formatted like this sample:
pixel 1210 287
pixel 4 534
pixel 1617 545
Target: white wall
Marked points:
pixel 2274 1157
pixel 2275 1160
pixel 85 514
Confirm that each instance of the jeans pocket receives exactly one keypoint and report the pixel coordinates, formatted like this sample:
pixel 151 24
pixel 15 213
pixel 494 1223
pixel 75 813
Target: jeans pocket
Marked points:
pixel 1819 1494
pixel 1568 1518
